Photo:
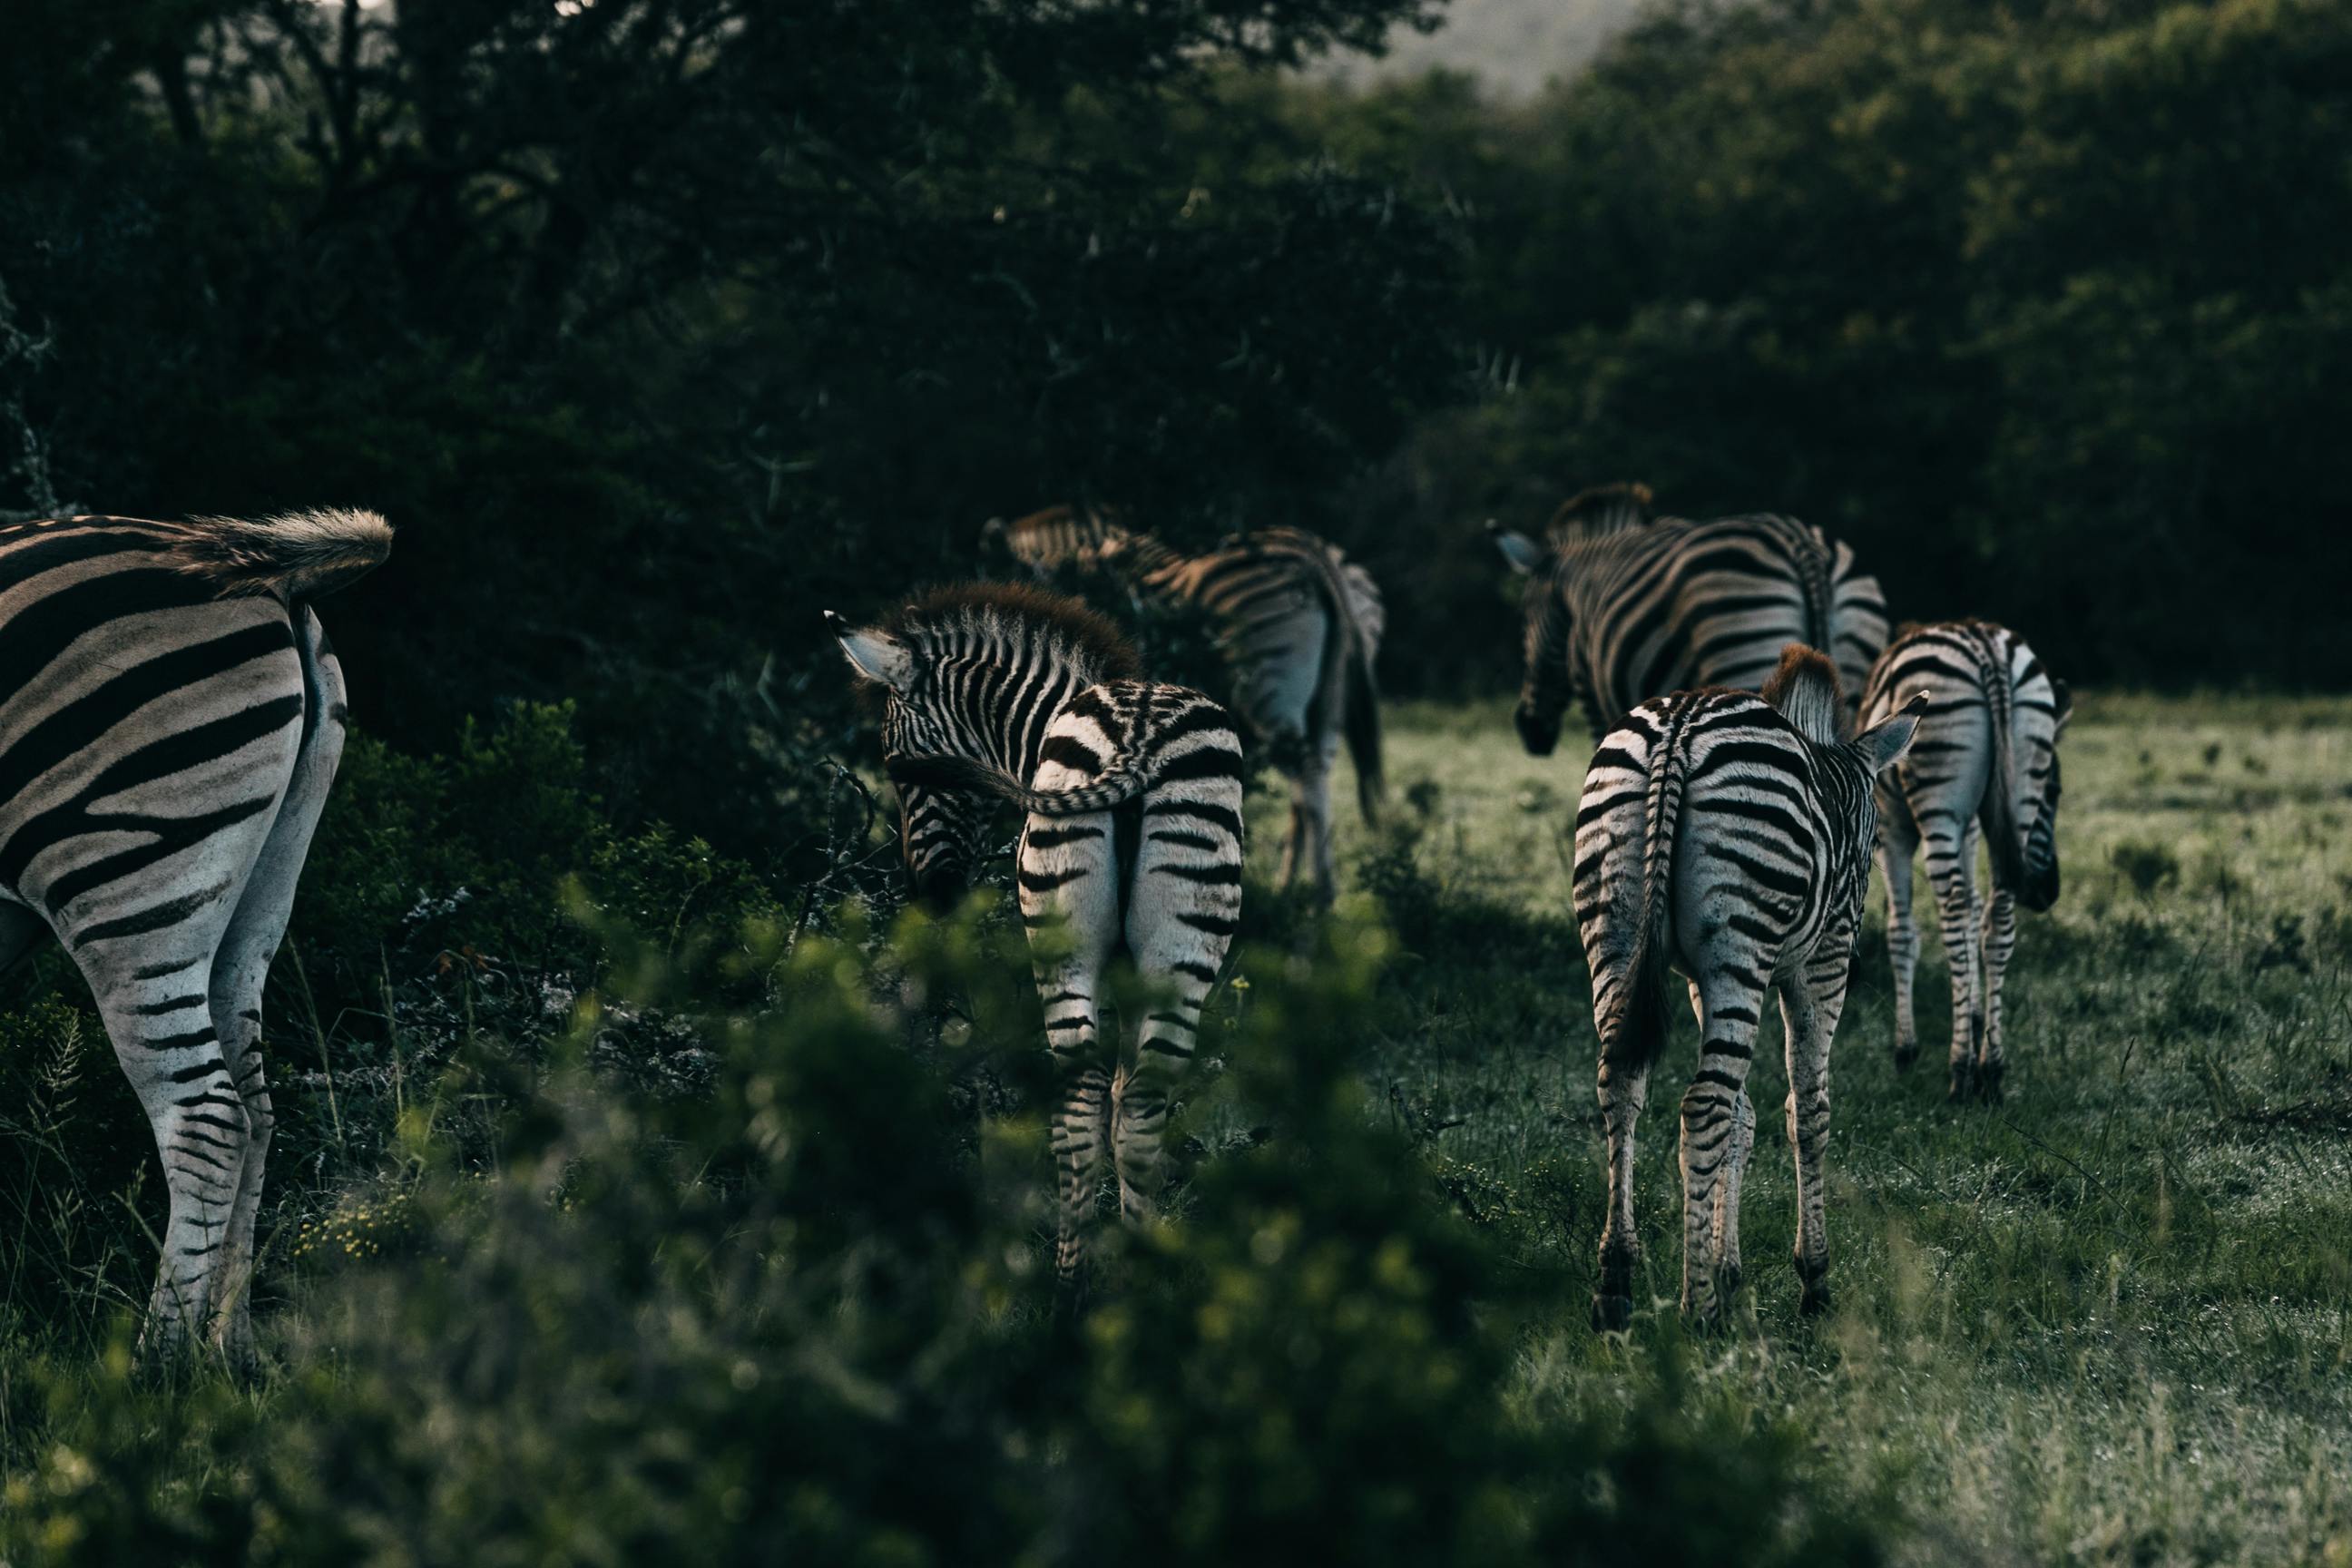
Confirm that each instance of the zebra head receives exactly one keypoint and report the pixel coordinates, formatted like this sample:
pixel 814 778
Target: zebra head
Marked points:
pixel 1546 685
pixel 2040 889
pixel 1057 536
pixel 942 833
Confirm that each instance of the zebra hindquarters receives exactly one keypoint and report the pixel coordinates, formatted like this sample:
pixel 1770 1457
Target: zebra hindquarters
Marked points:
pixel 1185 903
pixel 144 867
pixel 1289 683
pixel 1068 876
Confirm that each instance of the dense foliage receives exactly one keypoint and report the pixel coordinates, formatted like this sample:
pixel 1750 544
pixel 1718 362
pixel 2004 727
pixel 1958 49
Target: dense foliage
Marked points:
pixel 2043 305
pixel 658 325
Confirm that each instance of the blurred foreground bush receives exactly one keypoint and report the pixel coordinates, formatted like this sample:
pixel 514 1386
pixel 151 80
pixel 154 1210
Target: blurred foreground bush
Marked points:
pixel 808 1317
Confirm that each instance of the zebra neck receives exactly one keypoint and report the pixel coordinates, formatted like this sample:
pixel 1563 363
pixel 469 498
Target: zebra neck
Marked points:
pixel 1147 558
pixel 1004 715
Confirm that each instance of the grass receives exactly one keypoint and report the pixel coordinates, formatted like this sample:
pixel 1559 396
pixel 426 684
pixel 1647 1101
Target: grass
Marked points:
pixel 2106 1322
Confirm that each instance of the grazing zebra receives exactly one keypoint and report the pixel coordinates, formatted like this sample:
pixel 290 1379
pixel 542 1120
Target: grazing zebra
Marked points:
pixel 171 722
pixel 1299 623
pixel 1728 836
pixel 1133 842
pixel 1620 607
pixel 1986 760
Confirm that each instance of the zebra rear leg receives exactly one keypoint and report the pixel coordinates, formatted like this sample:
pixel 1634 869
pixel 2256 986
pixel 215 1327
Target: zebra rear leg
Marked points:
pixel 154 999
pixel 241 968
pixel 1624 1085
pixel 1183 908
pixel 1715 1140
pixel 1951 866
pixel 1999 940
pixel 1068 881
pixel 1899 841
pixel 1810 1007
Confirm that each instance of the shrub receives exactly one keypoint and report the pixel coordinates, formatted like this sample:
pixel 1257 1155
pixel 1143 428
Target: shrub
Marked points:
pixel 806 1317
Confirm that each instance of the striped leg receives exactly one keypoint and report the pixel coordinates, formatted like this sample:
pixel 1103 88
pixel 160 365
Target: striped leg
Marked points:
pixel 1809 1005
pixel 2000 938
pixel 152 995
pixel 1951 868
pixel 1713 1138
pixel 1624 1086
pixel 1898 843
pixel 1315 798
pixel 1183 911
pixel 1724 1225
pixel 1069 900
pixel 242 966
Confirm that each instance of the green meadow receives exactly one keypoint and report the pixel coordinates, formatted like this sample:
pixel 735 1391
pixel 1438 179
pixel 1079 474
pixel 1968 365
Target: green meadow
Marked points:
pixel 2108 1320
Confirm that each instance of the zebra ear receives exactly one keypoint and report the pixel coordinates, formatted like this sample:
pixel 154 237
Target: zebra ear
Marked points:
pixel 873 653
pixel 1524 554
pixel 1883 744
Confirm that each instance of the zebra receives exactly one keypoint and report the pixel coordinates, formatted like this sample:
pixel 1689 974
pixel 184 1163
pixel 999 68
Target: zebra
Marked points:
pixel 1299 624
pixel 1727 835
pixel 1985 761
pixel 1622 606
pixel 1133 842
pixel 171 722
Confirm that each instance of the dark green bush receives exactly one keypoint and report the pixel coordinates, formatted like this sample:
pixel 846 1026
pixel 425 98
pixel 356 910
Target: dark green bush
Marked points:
pixel 807 1316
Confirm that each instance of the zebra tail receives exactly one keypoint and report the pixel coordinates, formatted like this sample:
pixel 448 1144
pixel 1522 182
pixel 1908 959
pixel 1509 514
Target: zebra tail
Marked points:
pixel 1997 811
pixel 1642 1025
pixel 293 555
pixel 1121 784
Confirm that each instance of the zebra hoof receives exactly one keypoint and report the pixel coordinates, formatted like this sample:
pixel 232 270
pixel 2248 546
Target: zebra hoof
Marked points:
pixel 1988 1087
pixel 1904 1055
pixel 1610 1314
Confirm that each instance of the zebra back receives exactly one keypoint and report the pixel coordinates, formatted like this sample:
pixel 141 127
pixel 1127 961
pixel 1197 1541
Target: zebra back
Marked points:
pixel 1629 610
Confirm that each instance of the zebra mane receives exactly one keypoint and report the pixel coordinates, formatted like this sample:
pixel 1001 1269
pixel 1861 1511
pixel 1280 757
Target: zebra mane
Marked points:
pixel 971 615
pixel 1601 509
pixel 1805 689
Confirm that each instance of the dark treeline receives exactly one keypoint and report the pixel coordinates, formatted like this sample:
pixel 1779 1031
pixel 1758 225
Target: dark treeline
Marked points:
pixel 658 325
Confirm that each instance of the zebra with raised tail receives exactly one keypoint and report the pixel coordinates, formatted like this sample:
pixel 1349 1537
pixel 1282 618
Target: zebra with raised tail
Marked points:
pixel 1726 835
pixel 1133 843
pixel 1984 767
pixel 171 724
pixel 1299 624
pixel 1622 606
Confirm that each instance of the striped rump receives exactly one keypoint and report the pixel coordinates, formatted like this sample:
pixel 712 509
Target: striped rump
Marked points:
pixel 172 722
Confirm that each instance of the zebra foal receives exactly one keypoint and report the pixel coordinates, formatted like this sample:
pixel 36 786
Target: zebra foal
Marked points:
pixel 1622 606
pixel 1299 624
pixel 1728 836
pixel 1985 765
pixel 172 722
pixel 1133 842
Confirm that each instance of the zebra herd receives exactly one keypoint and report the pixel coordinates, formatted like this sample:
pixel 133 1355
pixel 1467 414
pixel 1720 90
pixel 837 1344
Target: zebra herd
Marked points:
pixel 175 715
pixel 1758 738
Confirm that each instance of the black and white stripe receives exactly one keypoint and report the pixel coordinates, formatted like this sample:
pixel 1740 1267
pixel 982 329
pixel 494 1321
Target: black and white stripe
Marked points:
pixel 1726 835
pixel 1620 607
pixel 1299 625
pixel 170 722
pixel 1985 765
pixel 1133 843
